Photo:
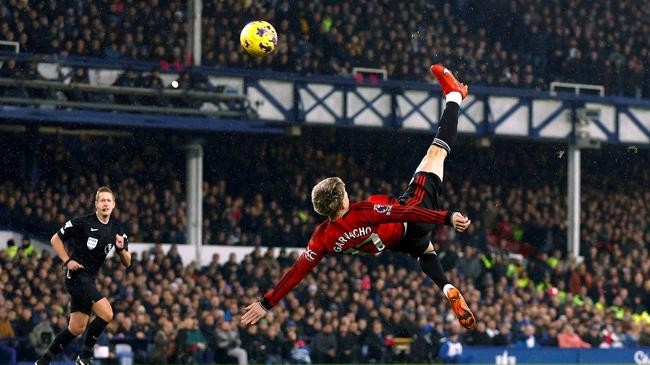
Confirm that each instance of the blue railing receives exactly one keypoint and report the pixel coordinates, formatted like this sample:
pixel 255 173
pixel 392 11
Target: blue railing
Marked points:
pixel 286 99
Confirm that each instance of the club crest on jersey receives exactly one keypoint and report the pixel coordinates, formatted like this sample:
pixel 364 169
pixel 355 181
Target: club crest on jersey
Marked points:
pixel 91 243
pixel 310 255
pixel 108 247
pixel 383 209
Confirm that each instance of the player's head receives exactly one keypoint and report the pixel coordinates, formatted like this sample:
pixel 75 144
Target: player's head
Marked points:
pixel 104 201
pixel 329 197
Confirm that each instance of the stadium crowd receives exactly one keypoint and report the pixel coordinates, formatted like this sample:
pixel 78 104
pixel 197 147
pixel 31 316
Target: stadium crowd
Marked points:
pixel 173 311
pixel 523 44
pixel 521 209
pixel 515 202
pixel 517 209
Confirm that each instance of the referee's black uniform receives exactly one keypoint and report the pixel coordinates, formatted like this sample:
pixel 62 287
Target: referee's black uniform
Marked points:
pixel 88 241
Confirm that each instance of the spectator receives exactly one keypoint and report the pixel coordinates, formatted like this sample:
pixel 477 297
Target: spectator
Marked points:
pixel 528 340
pixel 41 336
pixel 228 341
pixel 154 81
pixel 162 343
pixel 10 69
pixel 129 78
pixel 324 346
pixel 255 345
pixel 26 246
pixel 347 345
pixel 569 339
pixel 6 329
pixel 299 353
pixel 80 76
pixel 479 336
pixel 470 264
pixel 580 278
pixel 273 342
pixel 11 249
pixel 190 344
pixel 451 351
pixel 374 348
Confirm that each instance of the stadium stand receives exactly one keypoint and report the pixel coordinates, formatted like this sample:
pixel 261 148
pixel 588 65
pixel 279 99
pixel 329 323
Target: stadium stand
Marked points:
pixel 525 44
pixel 512 264
pixel 515 210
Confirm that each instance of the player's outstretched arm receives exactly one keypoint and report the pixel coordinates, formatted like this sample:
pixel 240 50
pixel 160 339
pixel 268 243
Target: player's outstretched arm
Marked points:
pixel 303 265
pixel 395 213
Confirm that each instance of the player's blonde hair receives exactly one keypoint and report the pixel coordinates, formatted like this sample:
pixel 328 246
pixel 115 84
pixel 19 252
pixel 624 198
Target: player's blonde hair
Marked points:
pixel 327 196
pixel 104 189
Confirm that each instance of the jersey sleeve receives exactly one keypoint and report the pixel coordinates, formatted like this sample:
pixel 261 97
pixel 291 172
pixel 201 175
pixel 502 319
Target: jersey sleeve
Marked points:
pixel 371 213
pixel 304 264
pixel 70 229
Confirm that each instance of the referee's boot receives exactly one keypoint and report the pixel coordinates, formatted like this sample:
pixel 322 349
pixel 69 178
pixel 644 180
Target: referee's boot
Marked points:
pixel 448 81
pixel 83 360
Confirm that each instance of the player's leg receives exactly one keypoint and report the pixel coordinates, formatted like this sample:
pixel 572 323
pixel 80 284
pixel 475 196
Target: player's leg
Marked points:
pixel 103 315
pixel 454 93
pixel 431 266
pixel 76 326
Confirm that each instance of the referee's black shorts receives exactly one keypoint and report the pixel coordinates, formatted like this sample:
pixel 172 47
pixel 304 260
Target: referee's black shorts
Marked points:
pixel 423 191
pixel 83 291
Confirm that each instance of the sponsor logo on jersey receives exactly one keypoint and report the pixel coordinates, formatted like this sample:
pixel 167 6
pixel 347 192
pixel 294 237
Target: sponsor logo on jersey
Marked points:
pixel 383 209
pixel 108 248
pixel 91 243
pixel 355 233
pixel 94 229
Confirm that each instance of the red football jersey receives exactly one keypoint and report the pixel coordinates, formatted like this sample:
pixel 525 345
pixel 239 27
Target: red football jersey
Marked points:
pixel 368 228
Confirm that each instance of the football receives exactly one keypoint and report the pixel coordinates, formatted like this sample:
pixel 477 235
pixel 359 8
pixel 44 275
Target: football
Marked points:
pixel 258 38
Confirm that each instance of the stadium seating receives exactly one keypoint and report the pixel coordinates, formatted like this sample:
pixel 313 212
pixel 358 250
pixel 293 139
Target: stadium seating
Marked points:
pixel 491 42
pixel 518 209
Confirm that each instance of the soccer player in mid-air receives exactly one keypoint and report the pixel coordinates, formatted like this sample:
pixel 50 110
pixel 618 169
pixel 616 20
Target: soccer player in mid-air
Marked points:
pixel 383 222
pixel 90 238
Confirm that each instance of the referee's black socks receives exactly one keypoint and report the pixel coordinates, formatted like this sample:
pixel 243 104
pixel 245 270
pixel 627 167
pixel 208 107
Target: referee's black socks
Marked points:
pixel 448 127
pixel 431 266
pixel 60 342
pixel 93 332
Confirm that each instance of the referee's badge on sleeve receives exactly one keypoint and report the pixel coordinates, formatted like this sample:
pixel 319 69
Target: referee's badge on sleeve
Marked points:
pixel 91 243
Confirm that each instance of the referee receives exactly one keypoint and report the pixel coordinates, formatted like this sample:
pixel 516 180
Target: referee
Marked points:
pixel 88 240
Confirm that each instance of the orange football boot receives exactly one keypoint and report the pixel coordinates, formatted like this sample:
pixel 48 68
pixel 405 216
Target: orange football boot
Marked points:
pixel 461 309
pixel 447 81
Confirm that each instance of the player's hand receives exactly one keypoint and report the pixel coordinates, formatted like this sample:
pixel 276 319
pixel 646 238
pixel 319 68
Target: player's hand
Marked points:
pixel 460 222
pixel 119 241
pixel 73 265
pixel 254 313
